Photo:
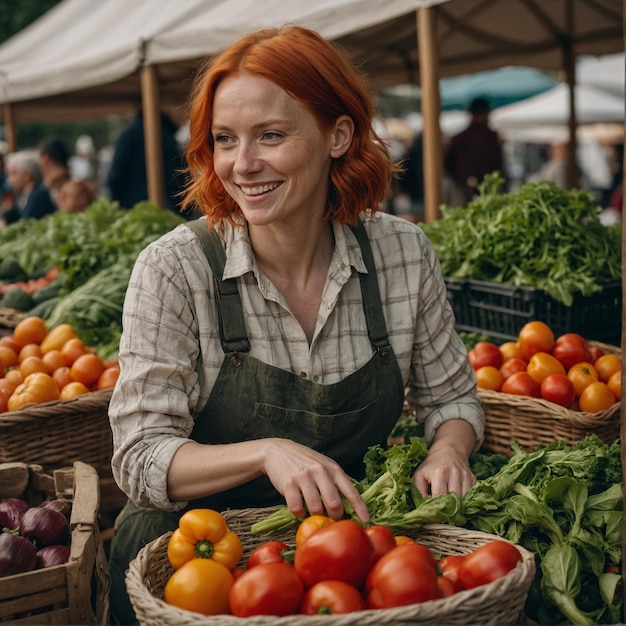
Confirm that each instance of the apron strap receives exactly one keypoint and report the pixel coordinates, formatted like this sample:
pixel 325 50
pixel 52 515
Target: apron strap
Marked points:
pixel 230 311
pixel 376 326
pixel 233 333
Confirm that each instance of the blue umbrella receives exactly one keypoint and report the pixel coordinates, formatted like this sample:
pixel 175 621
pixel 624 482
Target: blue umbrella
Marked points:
pixel 503 86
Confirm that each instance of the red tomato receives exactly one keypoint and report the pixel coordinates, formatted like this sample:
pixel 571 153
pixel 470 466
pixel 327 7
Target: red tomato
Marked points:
pixel 270 552
pixel 447 586
pixel 332 597
pixel 405 575
pixel 267 589
pixel 535 337
pixel 571 348
pixel 449 566
pixel 339 551
pixel 510 366
pixel 595 352
pixel 488 563
pixel 542 364
pixel 485 353
pixel 521 384
pixel 558 388
pixel 381 538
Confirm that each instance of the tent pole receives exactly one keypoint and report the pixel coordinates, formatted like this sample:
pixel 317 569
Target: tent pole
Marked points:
pixel 9 122
pixel 430 105
pixel 569 63
pixel 152 134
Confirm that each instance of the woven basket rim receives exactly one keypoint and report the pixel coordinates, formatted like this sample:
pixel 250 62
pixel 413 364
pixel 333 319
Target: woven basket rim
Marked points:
pixel 442 611
pixel 85 403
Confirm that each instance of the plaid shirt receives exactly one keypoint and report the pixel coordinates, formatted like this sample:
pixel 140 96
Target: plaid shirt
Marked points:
pixel 170 352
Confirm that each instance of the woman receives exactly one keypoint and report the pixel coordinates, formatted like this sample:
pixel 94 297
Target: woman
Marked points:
pixel 259 362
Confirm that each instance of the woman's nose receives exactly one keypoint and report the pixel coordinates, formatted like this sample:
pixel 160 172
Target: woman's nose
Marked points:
pixel 247 159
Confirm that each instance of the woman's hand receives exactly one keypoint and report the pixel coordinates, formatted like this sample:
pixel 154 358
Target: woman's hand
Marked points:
pixel 446 468
pixel 310 481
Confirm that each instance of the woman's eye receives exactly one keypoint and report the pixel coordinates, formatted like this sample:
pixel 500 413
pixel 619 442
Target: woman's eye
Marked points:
pixel 272 135
pixel 222 139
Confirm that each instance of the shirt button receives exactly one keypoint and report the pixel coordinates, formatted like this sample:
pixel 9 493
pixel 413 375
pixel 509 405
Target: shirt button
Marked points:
pixel 316 378
pixel 303 374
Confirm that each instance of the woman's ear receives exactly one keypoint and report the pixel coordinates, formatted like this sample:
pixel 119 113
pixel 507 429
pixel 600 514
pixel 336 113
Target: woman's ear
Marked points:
pixel 342 136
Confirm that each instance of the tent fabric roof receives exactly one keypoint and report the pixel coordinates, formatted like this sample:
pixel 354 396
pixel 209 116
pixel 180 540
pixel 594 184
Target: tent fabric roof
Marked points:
pixel 82 58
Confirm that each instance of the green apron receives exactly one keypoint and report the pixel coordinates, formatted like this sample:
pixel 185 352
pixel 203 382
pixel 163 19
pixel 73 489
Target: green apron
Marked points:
pixel 340 420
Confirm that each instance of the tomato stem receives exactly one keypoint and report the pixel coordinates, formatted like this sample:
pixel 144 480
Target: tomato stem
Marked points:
pixel 204 549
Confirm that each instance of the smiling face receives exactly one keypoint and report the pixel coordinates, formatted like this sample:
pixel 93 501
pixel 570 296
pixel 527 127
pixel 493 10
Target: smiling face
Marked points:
pixel 269 151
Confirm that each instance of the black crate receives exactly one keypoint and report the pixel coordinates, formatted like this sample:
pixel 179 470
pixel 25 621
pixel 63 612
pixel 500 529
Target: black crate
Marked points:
pixel 500 311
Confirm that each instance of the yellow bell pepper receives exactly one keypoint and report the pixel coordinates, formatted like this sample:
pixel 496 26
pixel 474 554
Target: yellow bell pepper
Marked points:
pixel 204 534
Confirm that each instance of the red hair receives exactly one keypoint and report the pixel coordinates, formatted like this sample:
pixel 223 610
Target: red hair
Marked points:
pixel 318 75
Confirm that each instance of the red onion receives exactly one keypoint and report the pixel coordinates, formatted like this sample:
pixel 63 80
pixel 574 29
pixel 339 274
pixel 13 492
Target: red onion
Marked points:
pixel 17 555
pixel 11 512
pixel 62 506
pixel 49 556
pixel 45 527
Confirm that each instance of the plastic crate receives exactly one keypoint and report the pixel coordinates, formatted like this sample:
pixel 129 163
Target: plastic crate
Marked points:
pixel 500 310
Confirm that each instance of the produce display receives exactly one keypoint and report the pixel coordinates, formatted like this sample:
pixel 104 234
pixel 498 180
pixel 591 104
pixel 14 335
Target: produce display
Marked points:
pixel 40 365
pixel 566 370
pixel 540 236
pixel 562 503
pixel 74 268
pixel 336 567
pixel 33 537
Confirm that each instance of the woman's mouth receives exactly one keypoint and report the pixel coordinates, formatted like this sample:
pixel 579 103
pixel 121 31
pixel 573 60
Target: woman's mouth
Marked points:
pixel 257 190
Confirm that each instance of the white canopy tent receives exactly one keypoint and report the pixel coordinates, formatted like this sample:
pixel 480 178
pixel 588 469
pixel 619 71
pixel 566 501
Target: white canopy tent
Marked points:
pixel 90 58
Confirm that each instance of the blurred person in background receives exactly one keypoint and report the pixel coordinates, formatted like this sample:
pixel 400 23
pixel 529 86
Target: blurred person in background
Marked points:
pixel 27 193
pixel 75 196
pixel 54 163
pixel 556 168
pixel 127 180
pixel 82 164
pixel 474 152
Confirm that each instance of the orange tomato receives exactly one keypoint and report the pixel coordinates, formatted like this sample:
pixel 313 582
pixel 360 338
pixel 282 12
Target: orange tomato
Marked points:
pixel 53 360
pixel 87 369
pixel 73 389
pixel 511 350
pixel 309 525
pixel 402 539
pixel 489 377
pixel 8 356
pixel 596 397
pixel 32 364
pixel 614 384
pixel 30 349
pixel 535 337
pixel 7 384
pixel 582 374
pixel 31 329
pixel 4 400
pixel 72 349
pixel 62 376
pixel 542 364
pixel 7 340
pixel 35 389
pixel 13 374
pixel 607 365
pixel 57 337
pixel 108 378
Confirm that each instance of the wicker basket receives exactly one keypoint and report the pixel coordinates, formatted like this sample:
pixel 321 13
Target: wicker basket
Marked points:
pixel 535 422
pixel 499 603
pixel 56 434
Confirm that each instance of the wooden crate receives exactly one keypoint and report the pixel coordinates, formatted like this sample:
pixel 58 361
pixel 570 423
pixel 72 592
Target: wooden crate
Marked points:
pixel 76 592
